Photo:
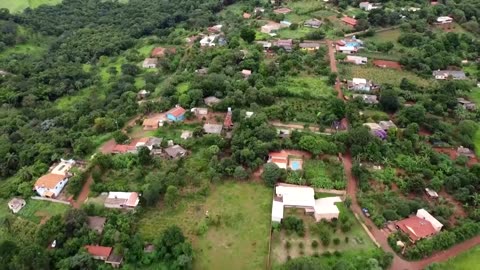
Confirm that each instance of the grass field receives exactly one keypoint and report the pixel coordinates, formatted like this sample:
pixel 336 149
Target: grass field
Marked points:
pixel 381 76
pixel 305 6
pixel 19 5
pixel 308 86
pixel 391 35
pixel 465 261
pixel 35 210
pixel 241 239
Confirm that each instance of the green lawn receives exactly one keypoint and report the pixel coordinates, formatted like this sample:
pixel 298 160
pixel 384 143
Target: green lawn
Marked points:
pixel 35 210
pixel 390 35
pixel 240 241
pixel 381 75
pixel 183 87
pixel 465 261
pixel 19 5
pixel 306 6
pixel 308 86
pixel 27 48
pixel 295 34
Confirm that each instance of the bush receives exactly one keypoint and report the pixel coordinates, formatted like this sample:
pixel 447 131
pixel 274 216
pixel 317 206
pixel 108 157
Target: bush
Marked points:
pixel 336 241
pixel 293 224
pixel 314 244
pixel 300 245
pixel 337 253
pixel 288 245
pixel 346 239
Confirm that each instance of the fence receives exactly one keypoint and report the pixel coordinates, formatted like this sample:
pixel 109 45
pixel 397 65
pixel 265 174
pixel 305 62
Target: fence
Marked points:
pixel 333 191
pixel 50 200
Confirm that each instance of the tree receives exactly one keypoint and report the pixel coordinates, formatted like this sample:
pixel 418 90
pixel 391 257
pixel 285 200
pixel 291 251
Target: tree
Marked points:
pixel 271 174
pixel 247 34
pixel 171 196
pixel 240 173
pixel 120 137
pixel 144 155
pixel 81 261
pixel 389 101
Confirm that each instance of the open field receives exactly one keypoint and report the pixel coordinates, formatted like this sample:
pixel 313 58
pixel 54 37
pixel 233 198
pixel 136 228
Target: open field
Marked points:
pixel 358 240
pixel 381 75
pixel 308 86
pixel 19 5
pixel 390 35
pixel 464 261
pixel 240 241
pixel 299 33
pixel 306 6
pixel 36 210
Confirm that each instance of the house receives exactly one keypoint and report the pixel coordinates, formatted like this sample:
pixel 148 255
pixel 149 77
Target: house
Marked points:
pixel 294 196
pixel 208 41
pixel 246 15
pixel 16 204
pixel 420 226
pixel 127 200
pixel 373 126
pixel 248 114
pixel 360 84
pixel 105 254
pixel 258 11
pixel 313 23
pixel 176 114
pixel 215 29
pixel 283 133
pixel 212 128
pixel 151 123
pixel 467 152
pixel 367 6
pixel 200 112
pixel 357 60
pixel 284 161
pixel 96 223
pixel 282 10
pixel 272 27
pixel 210 101
pixel 202 71
pixel 387 64
pixel 346 49
pixel 431 193
pixel 246 73
pixel 444 20
pixel 143 94
pixel 160 52
pixel 386 125
pixel 265 44
pixel 466 104
pixel 186 134
pixel 175 151
pixel 446 74
pixel 309 46
pixel 150 63
pixel 349 21
pixel 4 73
pixel 285 23
pixel 228 122
pixel 150 143
pixel 286 44
pixel 368 99
pixel 51 184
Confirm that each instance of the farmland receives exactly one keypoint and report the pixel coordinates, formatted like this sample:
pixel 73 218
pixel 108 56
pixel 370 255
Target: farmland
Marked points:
pixel 243 212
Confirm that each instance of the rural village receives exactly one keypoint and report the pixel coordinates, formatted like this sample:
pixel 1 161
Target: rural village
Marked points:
pixel 282 134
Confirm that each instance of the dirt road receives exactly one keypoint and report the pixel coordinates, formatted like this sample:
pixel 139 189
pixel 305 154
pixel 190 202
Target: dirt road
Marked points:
pixel 82 197
pixel 333 68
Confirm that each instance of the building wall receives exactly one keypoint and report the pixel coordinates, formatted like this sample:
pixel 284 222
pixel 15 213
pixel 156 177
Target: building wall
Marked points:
pixel 41 191
pixel 173 118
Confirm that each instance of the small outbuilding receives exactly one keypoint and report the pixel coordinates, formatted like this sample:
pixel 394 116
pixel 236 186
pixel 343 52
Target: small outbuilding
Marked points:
pixel 16 204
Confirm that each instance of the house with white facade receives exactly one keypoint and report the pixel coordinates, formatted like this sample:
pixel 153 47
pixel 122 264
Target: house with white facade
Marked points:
pixel 208 41
pixel 52 183
pixel 128 200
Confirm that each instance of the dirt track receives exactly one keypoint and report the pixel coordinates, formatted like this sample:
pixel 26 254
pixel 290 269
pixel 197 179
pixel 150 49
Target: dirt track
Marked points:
pixel 381 237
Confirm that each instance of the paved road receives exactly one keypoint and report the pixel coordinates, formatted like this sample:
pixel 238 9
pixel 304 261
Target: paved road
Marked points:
pixel 381 237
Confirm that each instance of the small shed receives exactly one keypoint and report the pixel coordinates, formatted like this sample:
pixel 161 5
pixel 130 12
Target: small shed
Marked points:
pixel 16 204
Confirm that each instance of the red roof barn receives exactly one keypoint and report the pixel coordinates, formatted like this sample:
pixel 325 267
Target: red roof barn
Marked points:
pixel 99 252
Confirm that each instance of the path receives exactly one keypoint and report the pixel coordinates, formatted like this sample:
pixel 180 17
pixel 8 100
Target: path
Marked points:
pixel 82 197
pixel 380 236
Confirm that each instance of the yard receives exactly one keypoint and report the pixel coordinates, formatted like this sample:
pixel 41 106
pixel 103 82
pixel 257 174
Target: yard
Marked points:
pixel 464 261
pixel 308 86
pixel 327 174
pixel 40 211
pixel 19 5
pixel 381 75
pixel 390 35
pixel 355 239
pixel 239 241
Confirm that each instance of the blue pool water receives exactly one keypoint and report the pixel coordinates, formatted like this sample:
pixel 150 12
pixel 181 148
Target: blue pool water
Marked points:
pixel 295 165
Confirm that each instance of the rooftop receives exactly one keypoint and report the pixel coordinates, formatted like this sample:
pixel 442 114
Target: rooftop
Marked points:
pixel 177 111
pixel 212 128
pixel 49 180
pixel 96 223
pixel 99 251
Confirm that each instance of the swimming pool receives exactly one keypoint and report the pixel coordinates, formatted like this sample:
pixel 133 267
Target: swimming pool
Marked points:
pixel 295 165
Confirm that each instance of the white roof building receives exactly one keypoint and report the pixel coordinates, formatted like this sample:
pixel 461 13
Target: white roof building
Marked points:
pixel 287 195
pixel 422 213
pixel 359 81
pixel 122 200
pixel 444 19
pixel 208 41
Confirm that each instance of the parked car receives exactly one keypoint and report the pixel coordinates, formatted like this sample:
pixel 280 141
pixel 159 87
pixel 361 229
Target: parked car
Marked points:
pixel 365 212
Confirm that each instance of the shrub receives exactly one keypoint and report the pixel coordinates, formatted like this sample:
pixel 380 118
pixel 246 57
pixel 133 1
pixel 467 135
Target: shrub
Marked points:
pixel 288 245
pixel 327 254
pixel 294 224
pixel 336 241
pixel 314 244
pixel 337 253
pixel 346 239
pixel 300 245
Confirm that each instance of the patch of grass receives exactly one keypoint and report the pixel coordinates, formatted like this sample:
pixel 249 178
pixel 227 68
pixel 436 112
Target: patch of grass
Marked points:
pixel 390 35
pixel 28 48
pixel 308 86
pixel 243 211
pixel 35 210
pixel 466 260
pixel 306 6
pixel 4 210
pixel 299 33
pixel 66 102
pixel 382 75
pixel 476 142
pixel 474 95
pixel 173 131
pixel 146 50
pixel 15 6
pixel 183 87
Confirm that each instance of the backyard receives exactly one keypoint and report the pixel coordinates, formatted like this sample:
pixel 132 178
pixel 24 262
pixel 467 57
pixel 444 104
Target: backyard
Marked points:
pixel 287 245
pixel 35 211
pixel 237 226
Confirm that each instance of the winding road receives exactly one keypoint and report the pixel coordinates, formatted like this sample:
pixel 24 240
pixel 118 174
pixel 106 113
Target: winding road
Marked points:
pixel 381 237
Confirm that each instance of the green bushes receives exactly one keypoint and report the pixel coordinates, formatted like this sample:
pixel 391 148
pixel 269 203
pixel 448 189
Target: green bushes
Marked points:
pixel 76 183
pixel 326 174
pixel 293 224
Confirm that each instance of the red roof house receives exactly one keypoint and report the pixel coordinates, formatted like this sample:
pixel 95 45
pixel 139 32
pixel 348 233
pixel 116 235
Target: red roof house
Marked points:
pixel 160 51
pixel 349 21
pixel 176 114
pixel 416 228
pixel 282 10
pixel 99 252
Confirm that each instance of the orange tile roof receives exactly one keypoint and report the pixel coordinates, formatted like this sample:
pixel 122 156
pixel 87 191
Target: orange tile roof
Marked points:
pixel 132 200
pixel 99 251
pixel 350 21
pixel 177 111
pixel 150 122
pixel 49 180
pixel 416 228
